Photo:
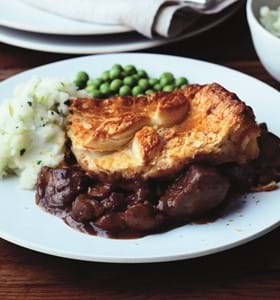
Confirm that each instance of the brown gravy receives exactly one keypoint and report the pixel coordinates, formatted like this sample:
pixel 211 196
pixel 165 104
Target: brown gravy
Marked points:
pixel 132 209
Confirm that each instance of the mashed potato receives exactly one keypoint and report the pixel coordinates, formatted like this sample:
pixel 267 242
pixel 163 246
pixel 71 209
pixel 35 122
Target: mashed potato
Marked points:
pixel 32 128
pixel 270 18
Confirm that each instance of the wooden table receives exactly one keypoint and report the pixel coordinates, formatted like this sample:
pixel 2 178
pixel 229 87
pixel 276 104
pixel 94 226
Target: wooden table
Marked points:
pixel 248 272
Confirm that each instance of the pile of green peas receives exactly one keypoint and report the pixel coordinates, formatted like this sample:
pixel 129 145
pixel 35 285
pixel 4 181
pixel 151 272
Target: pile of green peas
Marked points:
pixel 127 80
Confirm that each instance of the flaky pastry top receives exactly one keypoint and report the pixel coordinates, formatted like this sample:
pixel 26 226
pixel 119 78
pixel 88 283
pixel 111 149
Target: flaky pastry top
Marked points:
pixel 157 135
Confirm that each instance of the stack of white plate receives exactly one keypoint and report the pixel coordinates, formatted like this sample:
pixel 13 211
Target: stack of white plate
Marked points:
pixel 28 27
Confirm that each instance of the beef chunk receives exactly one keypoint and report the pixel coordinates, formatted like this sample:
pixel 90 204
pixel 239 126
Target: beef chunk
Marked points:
pixel 100 191
pixel 143 217
pixel 85 208
pixel 59 187
pixel 112 222
pixel 260 171
pixel 115 202
pixel 242 177
pixel 267 166
pixel 194 193
pixel 138 190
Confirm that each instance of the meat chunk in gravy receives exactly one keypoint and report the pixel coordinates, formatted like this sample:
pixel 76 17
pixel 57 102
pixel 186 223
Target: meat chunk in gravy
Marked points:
pixel 143 217
pixel 112 222
pixel 143 207
pixel 261 171
pixel 59 187
pixel 194 193
pixel 131 206
pixel 267 166
pixel 85 208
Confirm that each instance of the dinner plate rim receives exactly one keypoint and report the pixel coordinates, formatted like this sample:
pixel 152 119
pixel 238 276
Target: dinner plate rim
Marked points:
pixel 24 28
pixel 106 29
pixel 29 43
pixel 152 259
pixel 135 260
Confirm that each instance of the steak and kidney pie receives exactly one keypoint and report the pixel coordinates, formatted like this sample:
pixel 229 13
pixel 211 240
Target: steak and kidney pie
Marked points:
pixel 139 165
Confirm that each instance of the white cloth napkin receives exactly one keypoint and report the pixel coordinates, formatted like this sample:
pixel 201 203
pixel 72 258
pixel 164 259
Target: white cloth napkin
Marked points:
pixel 166 18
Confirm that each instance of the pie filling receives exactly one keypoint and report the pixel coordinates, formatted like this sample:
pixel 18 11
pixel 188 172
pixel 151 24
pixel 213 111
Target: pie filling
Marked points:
pixel 134 208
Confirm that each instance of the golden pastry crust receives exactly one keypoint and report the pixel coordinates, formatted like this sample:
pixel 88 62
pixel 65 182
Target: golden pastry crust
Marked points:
pixel 157 135
pixel 146 144
pixel 108 125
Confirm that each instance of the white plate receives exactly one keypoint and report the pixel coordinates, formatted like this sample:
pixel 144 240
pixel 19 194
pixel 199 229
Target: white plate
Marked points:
pixel 100 44
pixel 19 15
pixel 25 224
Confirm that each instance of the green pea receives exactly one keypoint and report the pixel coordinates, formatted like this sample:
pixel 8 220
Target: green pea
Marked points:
pixel 149 92
pixel 167 75
pixel 122 75
pixel 158 87
pixel 95 82
pixel 82 76
pixel 129 70
pixel 140 95
pixel 137 90
pixel 181 81
pixel 166 81
pixel 117 67
pixel 89 82
pixel 105 76
pixel 135 78
pixel 144 83
pixel 130 81
pixel 114 74
pixel 79 84
pixel 115 85
pixel 142 74
pixel 96 94
pixel 168 88
pixel 81 79
pixel 125 90
pixel 93 92
pixel 183 86
pixel 153 81
pixel 105 89
pixel 89 89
